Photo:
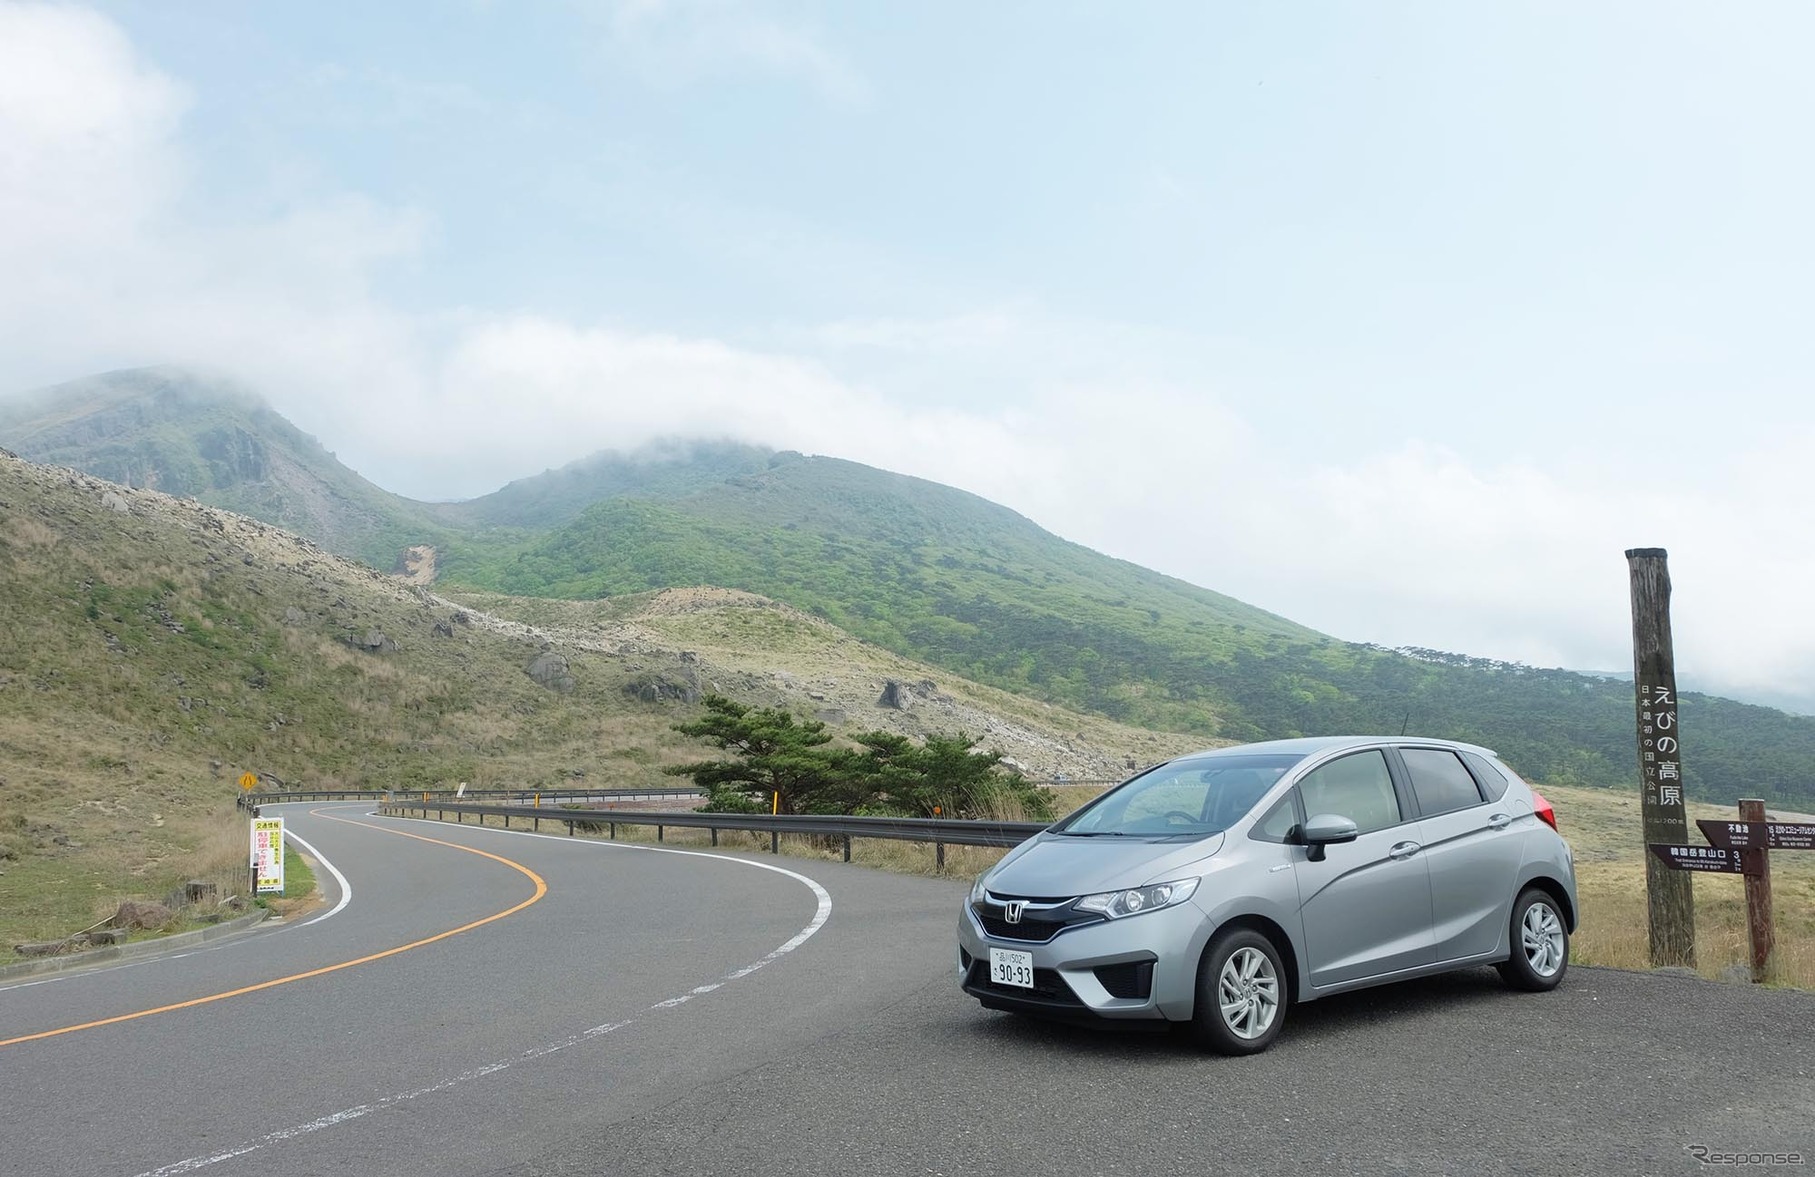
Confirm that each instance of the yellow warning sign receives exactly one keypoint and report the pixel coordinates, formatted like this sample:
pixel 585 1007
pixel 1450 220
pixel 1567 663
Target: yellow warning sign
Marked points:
pixel 248 781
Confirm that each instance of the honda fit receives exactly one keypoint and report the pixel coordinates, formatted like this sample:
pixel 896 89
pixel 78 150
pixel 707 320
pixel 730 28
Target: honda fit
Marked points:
pixel 1218 889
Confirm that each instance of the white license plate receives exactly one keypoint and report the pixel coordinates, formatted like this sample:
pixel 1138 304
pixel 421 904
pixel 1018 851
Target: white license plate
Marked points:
pixel 1007 967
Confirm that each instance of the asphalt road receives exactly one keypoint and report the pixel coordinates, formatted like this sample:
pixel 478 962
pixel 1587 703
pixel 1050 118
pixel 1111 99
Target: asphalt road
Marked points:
pixel 569 1006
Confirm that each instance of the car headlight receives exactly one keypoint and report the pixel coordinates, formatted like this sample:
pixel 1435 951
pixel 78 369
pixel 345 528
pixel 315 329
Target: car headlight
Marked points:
pixel 978 890
pixel 1134 901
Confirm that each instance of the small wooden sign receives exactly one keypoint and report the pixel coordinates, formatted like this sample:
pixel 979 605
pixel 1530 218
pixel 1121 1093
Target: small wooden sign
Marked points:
pixel 1715 859
pixel 1759 835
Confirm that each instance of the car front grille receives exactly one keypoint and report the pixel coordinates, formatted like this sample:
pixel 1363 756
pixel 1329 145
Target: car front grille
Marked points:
pixel 1037 924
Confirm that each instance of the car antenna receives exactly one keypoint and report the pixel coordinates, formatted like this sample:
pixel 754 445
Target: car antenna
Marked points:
pixel 1408 721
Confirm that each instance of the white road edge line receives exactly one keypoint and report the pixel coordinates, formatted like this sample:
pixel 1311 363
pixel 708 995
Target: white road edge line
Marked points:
pixel 346 888
pixel 821 914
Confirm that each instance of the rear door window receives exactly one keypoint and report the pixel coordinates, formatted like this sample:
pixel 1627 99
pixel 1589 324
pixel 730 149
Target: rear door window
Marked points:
pixel 1493 781
pixel 1439 780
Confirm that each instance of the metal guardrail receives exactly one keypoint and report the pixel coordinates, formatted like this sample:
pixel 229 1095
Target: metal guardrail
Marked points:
pixel 563 796
pixel 939 831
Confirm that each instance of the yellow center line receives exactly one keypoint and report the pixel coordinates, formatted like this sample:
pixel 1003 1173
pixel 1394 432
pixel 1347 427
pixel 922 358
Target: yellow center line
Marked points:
pixel 541 890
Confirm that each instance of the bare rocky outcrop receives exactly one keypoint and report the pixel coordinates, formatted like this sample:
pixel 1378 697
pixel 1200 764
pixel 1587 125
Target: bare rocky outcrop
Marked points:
pixel 653 687
pixel 551 670
pixel 376 642
pixel 902 696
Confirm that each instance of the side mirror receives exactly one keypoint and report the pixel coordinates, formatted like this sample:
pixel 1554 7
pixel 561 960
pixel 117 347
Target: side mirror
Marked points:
pixel 1326 829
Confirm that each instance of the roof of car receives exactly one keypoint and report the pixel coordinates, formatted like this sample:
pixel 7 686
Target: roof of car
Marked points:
pixel 1311 745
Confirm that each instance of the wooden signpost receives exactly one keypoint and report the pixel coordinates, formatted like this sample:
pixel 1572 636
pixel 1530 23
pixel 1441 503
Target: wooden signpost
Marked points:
pixel 1743 848
pixel 1670 900
pixel 1734 847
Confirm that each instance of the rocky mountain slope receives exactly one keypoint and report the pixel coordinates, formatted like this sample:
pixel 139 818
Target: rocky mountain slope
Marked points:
pixel 153 648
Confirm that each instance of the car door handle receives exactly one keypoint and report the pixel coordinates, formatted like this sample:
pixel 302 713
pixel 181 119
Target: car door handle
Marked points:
pixel 1404 850
pixel 1499 821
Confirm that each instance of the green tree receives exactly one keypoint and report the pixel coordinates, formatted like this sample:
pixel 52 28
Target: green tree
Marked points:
pixel 945 775
pixel 773 754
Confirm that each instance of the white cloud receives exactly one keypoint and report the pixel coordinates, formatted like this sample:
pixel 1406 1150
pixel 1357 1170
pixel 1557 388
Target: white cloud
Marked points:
pixel 681 42
pixel 84 124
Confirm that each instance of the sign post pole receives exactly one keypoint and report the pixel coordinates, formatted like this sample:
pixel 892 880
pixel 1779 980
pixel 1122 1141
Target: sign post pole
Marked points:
pixel 1759 921
pixel 1670 898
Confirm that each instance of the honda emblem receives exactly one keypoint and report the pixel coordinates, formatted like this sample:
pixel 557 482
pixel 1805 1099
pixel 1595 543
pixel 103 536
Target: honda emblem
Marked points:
pixel 1012 909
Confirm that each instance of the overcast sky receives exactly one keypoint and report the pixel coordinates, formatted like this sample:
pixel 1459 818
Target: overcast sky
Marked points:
pixel 1403 320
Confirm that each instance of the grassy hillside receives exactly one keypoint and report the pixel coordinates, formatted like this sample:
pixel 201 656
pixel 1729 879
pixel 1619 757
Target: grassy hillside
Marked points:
pixel 964 584
pixel 911 565
pixel 153 649
pixel 661 471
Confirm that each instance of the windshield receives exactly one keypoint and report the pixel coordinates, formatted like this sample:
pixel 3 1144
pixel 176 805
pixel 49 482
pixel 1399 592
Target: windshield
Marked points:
pixel 1185 799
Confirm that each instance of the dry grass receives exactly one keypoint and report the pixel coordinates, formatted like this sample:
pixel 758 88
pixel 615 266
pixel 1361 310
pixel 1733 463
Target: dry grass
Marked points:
pixel 1603 827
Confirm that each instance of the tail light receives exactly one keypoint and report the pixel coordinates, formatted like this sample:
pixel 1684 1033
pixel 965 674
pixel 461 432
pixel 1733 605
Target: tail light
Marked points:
pixel 1545 811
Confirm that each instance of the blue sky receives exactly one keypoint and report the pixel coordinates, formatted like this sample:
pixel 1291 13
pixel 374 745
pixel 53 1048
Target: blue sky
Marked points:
pixel 1403 320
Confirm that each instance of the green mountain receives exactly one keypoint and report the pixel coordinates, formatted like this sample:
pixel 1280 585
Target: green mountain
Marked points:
pixel 965 584
pixel 960 583
pixel 214 441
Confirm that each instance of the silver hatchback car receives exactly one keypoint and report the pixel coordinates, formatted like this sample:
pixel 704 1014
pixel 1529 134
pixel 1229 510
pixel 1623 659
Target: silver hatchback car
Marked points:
pixel 1217 889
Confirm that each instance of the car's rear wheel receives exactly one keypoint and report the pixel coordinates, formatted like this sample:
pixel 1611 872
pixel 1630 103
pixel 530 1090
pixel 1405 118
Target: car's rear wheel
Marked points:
pixel 1241 993
pixel 1540 943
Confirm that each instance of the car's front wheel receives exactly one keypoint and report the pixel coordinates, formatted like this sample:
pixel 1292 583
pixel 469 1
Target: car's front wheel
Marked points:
pixel 1241 993
pixel 1540 943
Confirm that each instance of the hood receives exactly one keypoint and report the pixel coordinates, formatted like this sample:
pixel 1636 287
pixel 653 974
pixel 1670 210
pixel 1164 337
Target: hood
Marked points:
pixel 1053 866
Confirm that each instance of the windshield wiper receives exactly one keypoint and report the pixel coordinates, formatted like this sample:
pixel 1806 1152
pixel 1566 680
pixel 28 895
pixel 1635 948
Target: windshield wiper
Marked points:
pixel 1093 833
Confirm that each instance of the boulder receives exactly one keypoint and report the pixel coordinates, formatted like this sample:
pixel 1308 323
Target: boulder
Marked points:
pixel 137 913
pixel 653 687
pixel 377 643
pixel 551 670
pixel 896 695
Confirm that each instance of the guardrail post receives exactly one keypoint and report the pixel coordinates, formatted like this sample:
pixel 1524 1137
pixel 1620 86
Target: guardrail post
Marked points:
pixel 614 829
pixel 715 835
pixel 658 833
pixel 506 821
pixel 774 841
pixel 847 847
pixel 538 823
pixel 570 827
pixel 939 855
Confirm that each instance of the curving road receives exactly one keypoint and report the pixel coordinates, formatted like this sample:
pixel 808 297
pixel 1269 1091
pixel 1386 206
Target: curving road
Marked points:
pixel 491 1002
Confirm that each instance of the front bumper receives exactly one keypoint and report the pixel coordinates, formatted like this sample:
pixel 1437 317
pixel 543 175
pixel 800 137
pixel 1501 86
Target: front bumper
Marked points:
pixel 1141 968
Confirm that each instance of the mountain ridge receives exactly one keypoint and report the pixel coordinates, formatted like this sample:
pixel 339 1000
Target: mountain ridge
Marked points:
pixel 969 586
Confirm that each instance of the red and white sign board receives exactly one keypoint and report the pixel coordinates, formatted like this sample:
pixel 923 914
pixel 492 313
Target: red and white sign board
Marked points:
pixel 268 853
